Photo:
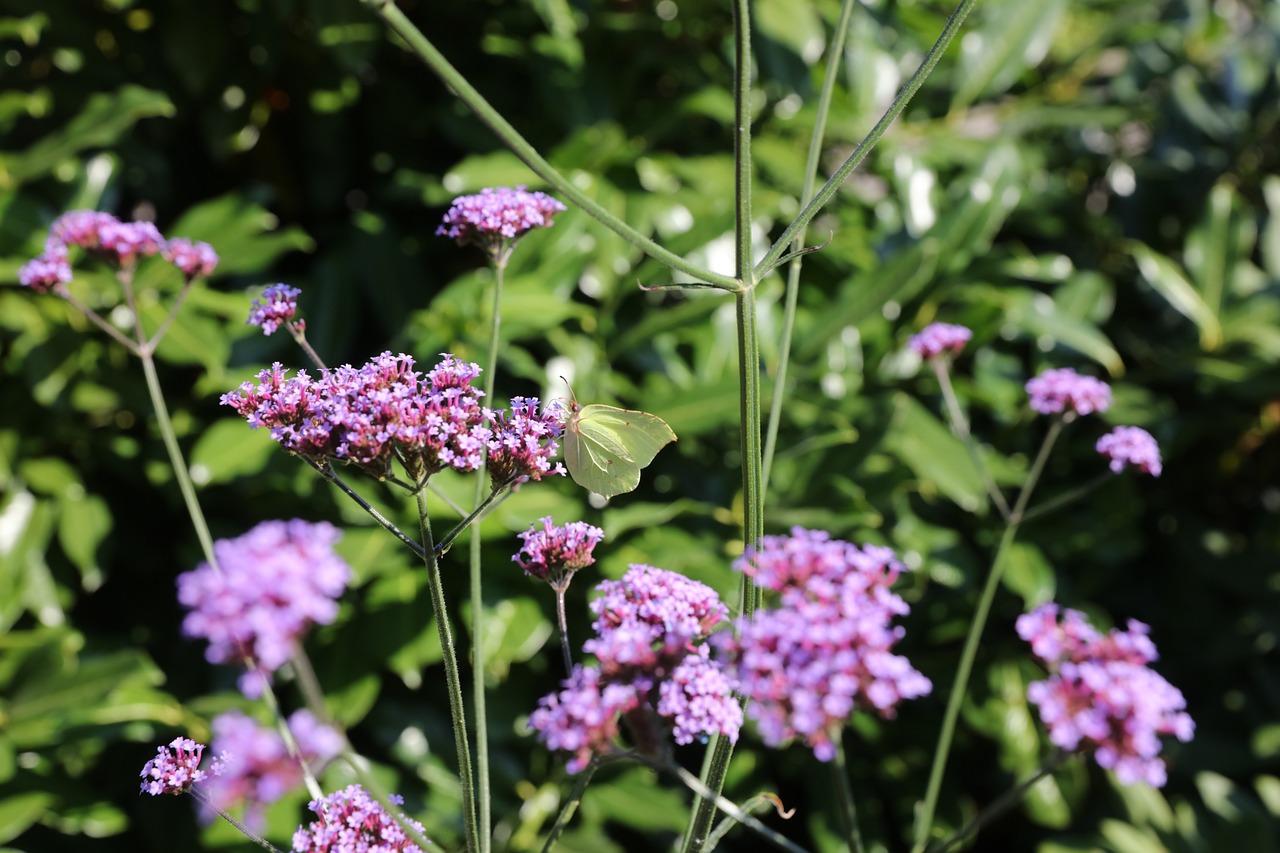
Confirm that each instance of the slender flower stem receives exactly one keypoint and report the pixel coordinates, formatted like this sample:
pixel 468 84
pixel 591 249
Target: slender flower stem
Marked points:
pixel 824 195
pixel 848 812
pixel 480 502
pixel 453 683
pixel 222 813
pixel 570 806
pixel 426 51
pixel 835 51
pixel 924 823
pixel 300 338
pixel 564 629
pixel 959 423
pixel 160 331
pixel 727 806
pixel 326 470
pixel 478 514
pixel 97 320
pixel 1065 499
pixel 1003 803
pixel 721 748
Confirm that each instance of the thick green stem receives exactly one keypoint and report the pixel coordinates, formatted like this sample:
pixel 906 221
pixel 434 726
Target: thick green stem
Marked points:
pixel 770 260
pixel 453 683
pixel 426 51
pixel 848 811
pixel 924 823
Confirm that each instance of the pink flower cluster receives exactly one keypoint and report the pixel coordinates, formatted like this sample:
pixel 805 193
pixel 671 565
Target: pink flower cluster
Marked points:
pixel 554 553
pixel 1064 390
pixel 275 308
pixel 258 769
pixel 1131 445
pixel 654 670
pixel 1101 694
pixel 175 768
pixel 495 217
pixel 272 584
pixel 937 338
pixel 123 243
pixel 385 409
pixel 350 821
pixel 806 665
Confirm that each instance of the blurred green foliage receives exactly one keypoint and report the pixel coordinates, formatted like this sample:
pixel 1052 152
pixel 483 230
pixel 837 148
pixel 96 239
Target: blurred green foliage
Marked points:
pixel 1094 184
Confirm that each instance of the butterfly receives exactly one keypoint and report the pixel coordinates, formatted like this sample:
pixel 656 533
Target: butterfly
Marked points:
pixel 605 447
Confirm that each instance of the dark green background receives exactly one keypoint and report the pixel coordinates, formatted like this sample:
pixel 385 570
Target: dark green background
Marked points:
pixel 1088 184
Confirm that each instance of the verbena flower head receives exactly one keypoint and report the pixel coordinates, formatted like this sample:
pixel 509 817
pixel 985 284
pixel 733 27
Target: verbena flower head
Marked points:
pixel 276 581
pixel 1131 445
pixel 496 217
pixel 524 441
pixel 937 338
pixel 806 665
pixel 276 307
pixel 350 821
pixel 46 272
pixel 366 416
pixel 1064 390
pixel 258 769
pixel 193 259
pixel 655 672
pixel 1101 695
pixel 555 552
pixel 176 768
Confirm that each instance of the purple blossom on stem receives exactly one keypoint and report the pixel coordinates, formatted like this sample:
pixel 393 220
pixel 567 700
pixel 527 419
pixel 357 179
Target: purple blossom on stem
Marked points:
pixel 258 769
pixel 1055 391
pixel 276 581
pixel 129 241
pixel 176 768
pixel 655 671
pixel 350 821
pixel 1101 695
pixel 193 259
pixel 1131 445
pixel 276 307
pixel 495 218
pixel 524 441
pixel 937 338
pixel 806 665
pixel 554 553
pixel 46 272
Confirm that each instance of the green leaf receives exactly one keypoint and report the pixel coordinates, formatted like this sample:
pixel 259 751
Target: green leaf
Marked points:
pixel 1041 318
pixel 516 631
pixel 1029 574
pixel 83 523
pixel 20 811
pixel 1011 37
pixel 1171 283
pixel 230 449
pixel 101 124
pixel 926 446
pixel 1219 245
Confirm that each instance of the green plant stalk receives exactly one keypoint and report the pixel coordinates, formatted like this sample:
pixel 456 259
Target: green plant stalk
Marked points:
pixel 834 51
pixel 848 811
pixel 960 424
pixel 453 683
pixel 1003 803
pixel 570 806
pixel 477 593
pixel 426 51
pixel 721 748
pixel 904 97
pixel 924 823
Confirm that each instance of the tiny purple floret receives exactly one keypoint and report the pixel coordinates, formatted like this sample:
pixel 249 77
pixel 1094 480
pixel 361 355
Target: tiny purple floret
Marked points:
pixel 1131 445
pixel 175 769
pixel 555 552
pixel 350 821
pixel 1063 390
pixel 497 216
pixel 276 307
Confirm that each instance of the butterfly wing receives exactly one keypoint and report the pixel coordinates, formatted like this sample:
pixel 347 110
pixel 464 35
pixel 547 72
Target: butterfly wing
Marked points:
pixel 607 447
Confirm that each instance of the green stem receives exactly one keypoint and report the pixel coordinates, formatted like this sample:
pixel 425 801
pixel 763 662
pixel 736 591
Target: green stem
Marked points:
pixel 904 97
pixel 222 813
pixel 570 806
pixel 834 52
pixel 160 331
pixel 453 683
pixel 1003 803
pixel 326 470
pixel 564 629
pixel 481 512
pixel 118 336
pixel 960 424
pixel 426 51
pixel 479 501
pixel 1066 498
pixel 727 806
pixel 924 824
pixel 721 748
pixel 848 811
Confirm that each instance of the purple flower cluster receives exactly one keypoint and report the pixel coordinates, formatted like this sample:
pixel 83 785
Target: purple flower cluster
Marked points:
pixel 806 665
pixel 274 582
pixel 937 338
pixel 258 769
pixel 1101 693
pixel 276 307
pixel 103 235
pixel 1131 445
pixel 523 442
pixel 654 670
pixel 1063 390
pixel 495 217
pixel 554 553
pixel 365 415
pixel 353 822
pixel 175 768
